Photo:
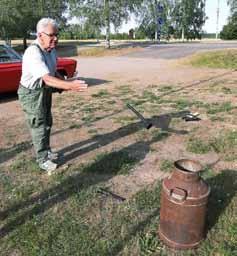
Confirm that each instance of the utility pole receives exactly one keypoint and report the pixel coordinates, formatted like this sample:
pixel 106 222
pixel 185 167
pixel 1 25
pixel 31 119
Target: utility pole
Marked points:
pixel 107 17
pixel 217 18
pixel 159 19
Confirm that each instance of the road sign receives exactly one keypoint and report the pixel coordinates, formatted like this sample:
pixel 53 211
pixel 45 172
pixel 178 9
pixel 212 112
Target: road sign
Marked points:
pixel 160 7
pixel 160 21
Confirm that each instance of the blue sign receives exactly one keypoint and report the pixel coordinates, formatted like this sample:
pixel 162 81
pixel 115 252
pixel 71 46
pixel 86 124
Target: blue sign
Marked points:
pixel 160 21
pixel 160 7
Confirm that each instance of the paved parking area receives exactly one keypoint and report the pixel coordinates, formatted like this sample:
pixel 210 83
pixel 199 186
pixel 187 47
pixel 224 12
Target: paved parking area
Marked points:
pixel 180 50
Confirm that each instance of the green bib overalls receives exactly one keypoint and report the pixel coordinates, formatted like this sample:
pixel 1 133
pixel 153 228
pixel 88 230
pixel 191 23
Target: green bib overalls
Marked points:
pixel 36 104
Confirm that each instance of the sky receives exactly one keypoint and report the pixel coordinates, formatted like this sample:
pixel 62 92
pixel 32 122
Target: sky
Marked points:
pixel 211 12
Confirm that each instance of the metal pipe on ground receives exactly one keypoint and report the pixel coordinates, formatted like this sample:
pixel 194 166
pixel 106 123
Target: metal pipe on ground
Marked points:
pixel 146 123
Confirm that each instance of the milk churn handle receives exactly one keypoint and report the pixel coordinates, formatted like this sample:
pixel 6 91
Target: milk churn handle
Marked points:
pixel 178 194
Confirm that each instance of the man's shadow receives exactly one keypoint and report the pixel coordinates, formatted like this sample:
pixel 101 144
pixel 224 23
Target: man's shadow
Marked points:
pixel 162 122
pixel 103 168
pixel 99 171
pixel 79 148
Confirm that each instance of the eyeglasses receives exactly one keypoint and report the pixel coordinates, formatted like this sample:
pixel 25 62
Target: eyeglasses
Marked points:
pixel 51 35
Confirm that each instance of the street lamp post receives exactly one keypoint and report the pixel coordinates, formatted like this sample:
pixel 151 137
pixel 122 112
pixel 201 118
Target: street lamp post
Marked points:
pixel 217 18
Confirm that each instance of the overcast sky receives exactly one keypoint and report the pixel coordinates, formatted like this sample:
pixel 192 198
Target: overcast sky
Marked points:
pixel 211 12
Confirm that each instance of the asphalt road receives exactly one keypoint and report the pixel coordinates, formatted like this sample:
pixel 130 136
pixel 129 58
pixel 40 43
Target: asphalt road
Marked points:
pixel 180 50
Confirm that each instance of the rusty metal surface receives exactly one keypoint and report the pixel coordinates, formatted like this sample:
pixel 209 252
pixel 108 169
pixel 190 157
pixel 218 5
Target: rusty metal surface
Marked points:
pixel 184 200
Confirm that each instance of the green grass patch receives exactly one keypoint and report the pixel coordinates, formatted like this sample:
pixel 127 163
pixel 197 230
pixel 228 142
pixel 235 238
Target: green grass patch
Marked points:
pixel 166 165
pixel 219 107
pixel 226 144
pixel 226 90
pixel 150 96
pixel 216 59
pixel 198 146
pixel 93 131
pixel 71 218
pixel 116 162
pixel 158 135
pixel 24 164
pixel 101 94
pixel 88 118
pixel 134 102
pixel 124 89
pixel 67 216
pixel 166 88
pixel 181 104
pixel 6 153
pixel 217 118
pixel 89 108
pixel 125 120
pixel 75 126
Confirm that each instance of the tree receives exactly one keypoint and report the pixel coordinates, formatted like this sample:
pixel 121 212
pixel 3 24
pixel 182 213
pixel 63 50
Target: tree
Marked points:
pixel 102 13
pixel 233 6
pixel 19 18
pixel 188 18
pixel 229 31
pixel 154 18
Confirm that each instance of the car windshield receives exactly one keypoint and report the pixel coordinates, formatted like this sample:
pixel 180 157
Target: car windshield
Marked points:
pixel 7 55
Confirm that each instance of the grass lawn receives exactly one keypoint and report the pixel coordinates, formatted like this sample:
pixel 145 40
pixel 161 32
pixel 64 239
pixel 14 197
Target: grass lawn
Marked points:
pixel 216 59
pixel 67 214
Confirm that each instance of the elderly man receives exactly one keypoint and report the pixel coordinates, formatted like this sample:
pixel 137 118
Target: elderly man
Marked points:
pixel 38 79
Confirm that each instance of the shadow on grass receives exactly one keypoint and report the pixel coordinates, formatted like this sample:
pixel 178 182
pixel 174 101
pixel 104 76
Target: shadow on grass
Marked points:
pixel 162 122
pixel 77 149
pixel 104 169
pixel 140 227
pixel 8 153
pixel 223 189
pixel 101 170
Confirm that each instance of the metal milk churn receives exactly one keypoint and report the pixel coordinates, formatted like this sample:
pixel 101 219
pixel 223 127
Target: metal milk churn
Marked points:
pixel 183 206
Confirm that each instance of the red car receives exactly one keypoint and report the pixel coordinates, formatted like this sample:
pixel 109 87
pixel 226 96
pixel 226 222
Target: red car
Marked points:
pixel 10 68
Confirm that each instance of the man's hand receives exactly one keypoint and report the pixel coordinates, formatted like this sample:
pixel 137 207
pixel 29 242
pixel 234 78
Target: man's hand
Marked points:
pixel 78 85
pixel 75 85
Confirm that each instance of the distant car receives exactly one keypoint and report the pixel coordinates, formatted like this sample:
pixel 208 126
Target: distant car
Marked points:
pixel 10 68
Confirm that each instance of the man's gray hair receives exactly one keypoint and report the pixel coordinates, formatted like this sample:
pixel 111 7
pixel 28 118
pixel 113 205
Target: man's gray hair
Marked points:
pixel 44 22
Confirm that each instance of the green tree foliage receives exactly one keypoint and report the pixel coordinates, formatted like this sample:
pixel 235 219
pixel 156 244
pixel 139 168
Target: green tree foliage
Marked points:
pixel 181 18
pixel 188 18
pixel 100 14
pixel 148 14
pixel 19 18
pixel 229 31
pixel 233 6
